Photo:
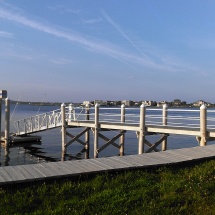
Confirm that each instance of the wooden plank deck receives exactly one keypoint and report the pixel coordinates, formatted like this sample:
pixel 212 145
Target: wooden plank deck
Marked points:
pixel 53 170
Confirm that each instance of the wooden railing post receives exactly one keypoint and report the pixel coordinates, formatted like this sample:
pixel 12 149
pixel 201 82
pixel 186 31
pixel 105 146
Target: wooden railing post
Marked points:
pixel 96 137
pixel 142 129
pixel 38 117
pixel 164 143
pixel 7 124
pixel 63 119
pixel 25 126
pixel 70 111
pixel 47 121
pixel 203 125
pixel 0 117
pixel 122 138
pixel 18 128
pixel 87 134
pixel 54 115
pixel 31 124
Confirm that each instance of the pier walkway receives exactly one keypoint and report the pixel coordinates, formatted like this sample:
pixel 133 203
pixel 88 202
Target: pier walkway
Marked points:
pixel 68 169
pixel 145 121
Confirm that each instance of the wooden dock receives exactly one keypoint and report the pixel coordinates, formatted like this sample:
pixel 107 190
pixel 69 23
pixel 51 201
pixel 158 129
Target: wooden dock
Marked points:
pixel 68 169
pixel 144 122
pixel 98 122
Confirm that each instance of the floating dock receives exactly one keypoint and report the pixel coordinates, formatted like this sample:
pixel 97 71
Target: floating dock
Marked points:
pixel 13 138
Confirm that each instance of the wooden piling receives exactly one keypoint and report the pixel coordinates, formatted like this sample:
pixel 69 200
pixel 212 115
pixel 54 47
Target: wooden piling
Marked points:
pixel 203 125
pixel 0 117
pixel 122 138
pixel 63 131
pixel 164 142
pixel 3 95
pixel 142 129
pixel 96 128
pixel 71 110
pixel 7 124
pixel 87 134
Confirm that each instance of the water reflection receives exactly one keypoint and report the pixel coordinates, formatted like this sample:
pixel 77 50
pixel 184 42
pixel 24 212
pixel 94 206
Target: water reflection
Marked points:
pixel 31 153
pixel 37 153
pixel 19 153
pixel 6 158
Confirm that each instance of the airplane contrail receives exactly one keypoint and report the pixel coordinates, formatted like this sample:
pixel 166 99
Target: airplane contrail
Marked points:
pixel 122 33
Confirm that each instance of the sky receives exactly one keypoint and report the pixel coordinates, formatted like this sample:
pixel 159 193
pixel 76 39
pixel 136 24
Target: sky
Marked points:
pixel 77 50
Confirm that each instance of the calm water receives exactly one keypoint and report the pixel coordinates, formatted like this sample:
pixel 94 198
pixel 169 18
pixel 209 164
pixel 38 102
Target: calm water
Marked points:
pixel 50 147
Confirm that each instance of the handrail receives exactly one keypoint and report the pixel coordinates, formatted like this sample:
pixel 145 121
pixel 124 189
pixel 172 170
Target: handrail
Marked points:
pixel 153 116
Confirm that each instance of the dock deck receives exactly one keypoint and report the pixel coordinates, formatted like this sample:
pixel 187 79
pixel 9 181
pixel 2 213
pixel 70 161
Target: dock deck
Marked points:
pixel 65 169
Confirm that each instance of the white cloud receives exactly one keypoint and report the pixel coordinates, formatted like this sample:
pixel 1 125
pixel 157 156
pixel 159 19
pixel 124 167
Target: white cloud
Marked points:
pixel 93 45
pixel 91 21
pixel 5 34
pixel 63 9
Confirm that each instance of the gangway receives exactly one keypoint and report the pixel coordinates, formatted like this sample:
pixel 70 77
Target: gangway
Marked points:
pixel 38 123
pixel 44 121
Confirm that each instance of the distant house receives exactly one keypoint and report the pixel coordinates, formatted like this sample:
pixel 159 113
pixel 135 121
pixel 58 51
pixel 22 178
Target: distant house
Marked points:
pixel 209 104
pixel 160 104
pixel 100 102
pixel 178 102
pixel 127 102
pixel 149 103
pixel 86 102
pixel 111 103
pixel 199 103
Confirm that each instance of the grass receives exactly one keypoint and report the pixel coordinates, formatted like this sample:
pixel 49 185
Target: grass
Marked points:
pixel 165 190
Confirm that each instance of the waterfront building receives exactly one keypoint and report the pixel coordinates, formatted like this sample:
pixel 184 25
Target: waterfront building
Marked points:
pixel 160 104
pixel 86 102
pixel 127 102
pixel 199 103
pixel 100 102
pixel 149 103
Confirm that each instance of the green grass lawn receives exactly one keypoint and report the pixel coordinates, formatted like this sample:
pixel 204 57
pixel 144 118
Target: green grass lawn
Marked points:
pixel 178 189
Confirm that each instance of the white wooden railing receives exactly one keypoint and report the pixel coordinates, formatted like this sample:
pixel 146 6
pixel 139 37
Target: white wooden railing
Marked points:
pixel 186 118
pixel 38 122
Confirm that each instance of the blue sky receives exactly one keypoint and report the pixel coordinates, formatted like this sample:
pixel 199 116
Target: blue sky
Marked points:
pixel 71 51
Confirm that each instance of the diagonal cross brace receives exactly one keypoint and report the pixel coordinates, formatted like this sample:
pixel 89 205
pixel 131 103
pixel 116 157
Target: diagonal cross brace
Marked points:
pixel 157 143
pixel 110 141
pixel 76 138
pixel 150 145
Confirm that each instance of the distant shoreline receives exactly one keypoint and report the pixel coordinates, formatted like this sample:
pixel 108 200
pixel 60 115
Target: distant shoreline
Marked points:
pixel 80 104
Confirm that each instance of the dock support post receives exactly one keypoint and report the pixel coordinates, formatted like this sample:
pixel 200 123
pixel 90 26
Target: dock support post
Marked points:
pixel 122 138
pixel 3 95
pixel 96 136
pixel 87 134
pixel 0 118
pixel 63 119
pixel 203 125
pixel 71 113
pixel 164 143
pixel 142 129
pixel 7 124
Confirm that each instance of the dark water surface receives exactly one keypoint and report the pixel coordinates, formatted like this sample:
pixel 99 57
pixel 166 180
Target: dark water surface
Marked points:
pixel 50 147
